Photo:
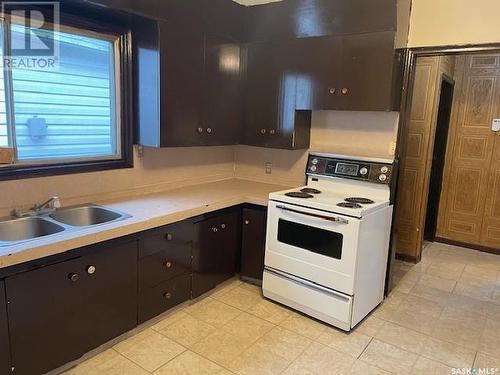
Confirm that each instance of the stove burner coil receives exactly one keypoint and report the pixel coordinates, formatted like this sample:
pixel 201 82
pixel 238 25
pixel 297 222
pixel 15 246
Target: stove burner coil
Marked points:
pixel 310 191
pixel 359 200
pixel 299 194
pixel 349 205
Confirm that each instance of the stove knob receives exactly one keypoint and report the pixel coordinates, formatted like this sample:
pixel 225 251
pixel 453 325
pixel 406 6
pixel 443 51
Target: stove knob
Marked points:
pixel 384 169
pixel 382 177
pixel 313 168
pixel 363 171
pixel 315 161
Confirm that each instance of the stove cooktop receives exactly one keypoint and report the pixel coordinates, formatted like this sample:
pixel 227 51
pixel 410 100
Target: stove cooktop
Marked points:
pixel 331 201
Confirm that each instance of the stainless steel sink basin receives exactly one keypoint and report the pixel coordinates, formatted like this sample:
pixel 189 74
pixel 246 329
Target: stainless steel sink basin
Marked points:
pixel 86 216
pixel 26 229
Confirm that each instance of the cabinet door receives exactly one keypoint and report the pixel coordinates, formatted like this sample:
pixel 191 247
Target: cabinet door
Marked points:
pixel 4 333
pixel 222 105
pixel 368 62
pixel 273 84
pixel 215 250
pixel 253 242
pixel 59 312
pixel 181 82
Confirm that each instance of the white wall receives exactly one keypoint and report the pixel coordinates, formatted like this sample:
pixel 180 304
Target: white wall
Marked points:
pixel 454 22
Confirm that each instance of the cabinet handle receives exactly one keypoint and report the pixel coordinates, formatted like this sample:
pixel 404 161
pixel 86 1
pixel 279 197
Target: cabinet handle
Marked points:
pixel 263 131
pixel 332 90
pixel 199 130
pixel 345 91
pixel 169 236
pixel 167 295
pixel 91 270
pixel 167 263
pixel 209 130
pixel 214 229
pixel 74 277
pixel 247 222
pixel 223 226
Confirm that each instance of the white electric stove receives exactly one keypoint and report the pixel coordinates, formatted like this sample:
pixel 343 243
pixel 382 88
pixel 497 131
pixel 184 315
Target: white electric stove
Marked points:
pixel 328 242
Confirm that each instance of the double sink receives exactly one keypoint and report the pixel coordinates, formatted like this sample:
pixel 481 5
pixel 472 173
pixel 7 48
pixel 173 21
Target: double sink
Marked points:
pixel 15 231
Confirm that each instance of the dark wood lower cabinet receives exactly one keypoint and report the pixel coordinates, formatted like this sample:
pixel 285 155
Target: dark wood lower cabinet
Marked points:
pixel 253 242
pixel 61 311
pixel 4 333
pixel 215 249
pixel 156 300
pixel 61 307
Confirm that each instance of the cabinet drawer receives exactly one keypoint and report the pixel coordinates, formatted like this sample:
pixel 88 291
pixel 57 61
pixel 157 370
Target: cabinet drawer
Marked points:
pixel 166 237
pixel 164 265
pixel 156 300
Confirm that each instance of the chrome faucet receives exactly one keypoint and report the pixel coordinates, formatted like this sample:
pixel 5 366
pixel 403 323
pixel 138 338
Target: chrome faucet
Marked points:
pixel 47 207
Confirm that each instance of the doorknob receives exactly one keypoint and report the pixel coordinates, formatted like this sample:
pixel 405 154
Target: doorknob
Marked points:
pixel 495 125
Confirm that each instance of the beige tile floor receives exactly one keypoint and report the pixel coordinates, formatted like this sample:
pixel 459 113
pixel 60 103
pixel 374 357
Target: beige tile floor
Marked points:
pixel 443 313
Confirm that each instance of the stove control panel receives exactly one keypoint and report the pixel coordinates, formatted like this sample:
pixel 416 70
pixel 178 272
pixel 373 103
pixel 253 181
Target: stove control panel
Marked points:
pixel 375 172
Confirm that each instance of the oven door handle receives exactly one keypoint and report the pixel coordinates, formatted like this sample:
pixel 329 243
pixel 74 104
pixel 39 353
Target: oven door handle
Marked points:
pixel 335 219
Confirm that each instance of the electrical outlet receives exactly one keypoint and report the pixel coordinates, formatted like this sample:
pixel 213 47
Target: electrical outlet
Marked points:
pixel 392 148
pixel 269 167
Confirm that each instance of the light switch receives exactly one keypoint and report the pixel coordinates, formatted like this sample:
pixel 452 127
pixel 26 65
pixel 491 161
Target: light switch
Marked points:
pixel 495 126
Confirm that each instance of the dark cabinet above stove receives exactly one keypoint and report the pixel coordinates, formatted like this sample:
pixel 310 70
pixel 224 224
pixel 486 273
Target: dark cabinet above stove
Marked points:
pixel 353 72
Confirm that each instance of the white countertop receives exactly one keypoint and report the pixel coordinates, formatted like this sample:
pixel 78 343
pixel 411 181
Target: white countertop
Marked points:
pixel 148 211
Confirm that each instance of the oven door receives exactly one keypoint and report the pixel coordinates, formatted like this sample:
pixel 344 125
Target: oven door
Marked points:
pixel 315 245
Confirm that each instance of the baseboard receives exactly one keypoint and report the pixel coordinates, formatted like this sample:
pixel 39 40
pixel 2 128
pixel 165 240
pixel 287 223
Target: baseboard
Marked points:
pixel 407 258
pixel 484 249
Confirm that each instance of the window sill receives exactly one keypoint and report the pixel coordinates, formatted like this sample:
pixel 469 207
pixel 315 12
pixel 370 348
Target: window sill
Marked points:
pixel 17 172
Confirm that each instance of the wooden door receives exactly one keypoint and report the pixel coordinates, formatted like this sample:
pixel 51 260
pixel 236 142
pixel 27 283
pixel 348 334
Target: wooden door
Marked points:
pixel 4 333
pixel 470 205
pixel 59 312
pixel 490 235
pixel 253 242
pixel 414 178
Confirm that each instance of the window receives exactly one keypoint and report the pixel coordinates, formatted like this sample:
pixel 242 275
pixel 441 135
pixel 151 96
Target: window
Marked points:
pixel 70 113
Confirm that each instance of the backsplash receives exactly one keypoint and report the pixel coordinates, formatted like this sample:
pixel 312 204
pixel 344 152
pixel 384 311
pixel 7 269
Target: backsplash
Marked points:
pixel 341 132
pixel 158 169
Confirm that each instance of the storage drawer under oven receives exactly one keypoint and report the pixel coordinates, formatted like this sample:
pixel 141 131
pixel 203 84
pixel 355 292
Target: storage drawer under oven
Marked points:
pixel 327 305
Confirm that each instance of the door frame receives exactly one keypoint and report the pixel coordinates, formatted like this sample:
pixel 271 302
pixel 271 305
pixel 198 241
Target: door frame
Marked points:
pixel 408 78
pixel 444 78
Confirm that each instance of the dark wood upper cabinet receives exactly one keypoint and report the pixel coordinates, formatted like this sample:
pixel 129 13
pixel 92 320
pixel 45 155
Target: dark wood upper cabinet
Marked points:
pixel 5 366
pixel 271 118
pixel 188 86
pixel 222 91
pixel 222 74
pixel 61 311
pixel 354 72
